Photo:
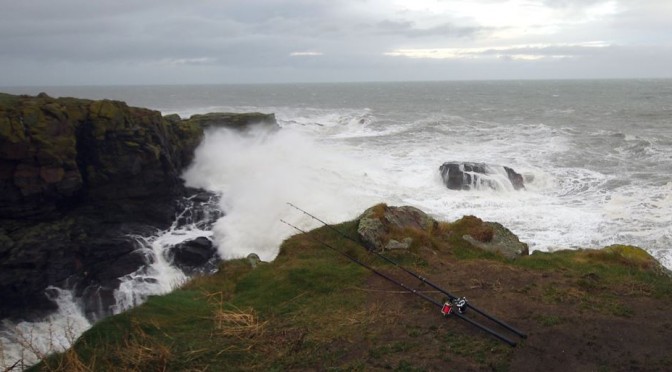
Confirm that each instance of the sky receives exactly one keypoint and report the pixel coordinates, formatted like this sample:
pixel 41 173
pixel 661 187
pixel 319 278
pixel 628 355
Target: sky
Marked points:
pixel 122 42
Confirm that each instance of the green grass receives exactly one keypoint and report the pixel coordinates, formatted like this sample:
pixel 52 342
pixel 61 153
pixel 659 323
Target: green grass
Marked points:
pixel 307 310
pixel 308 288
pixel 626 268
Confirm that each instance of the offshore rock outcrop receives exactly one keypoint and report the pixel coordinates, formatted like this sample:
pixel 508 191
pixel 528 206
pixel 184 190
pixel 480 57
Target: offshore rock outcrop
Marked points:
pixel 469 176
pixel 76 178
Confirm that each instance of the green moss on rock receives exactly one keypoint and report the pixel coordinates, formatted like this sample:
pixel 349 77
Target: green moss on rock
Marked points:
pixel 233 120
pixel 57 153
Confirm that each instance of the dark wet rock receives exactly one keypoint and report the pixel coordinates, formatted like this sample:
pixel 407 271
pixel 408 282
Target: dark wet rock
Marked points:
pixel 76 177
pixel 201 209
pixel 96 301
pixel 234 120
pixel 469 176
pixel 193 255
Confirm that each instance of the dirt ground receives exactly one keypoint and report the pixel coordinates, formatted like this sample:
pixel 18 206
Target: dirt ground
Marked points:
pixel 574 322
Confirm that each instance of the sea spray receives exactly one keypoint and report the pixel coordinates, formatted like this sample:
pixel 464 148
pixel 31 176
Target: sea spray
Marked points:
pixel 258 172
pixel 322 169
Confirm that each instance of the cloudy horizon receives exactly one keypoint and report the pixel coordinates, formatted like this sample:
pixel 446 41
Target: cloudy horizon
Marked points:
pixel 122 42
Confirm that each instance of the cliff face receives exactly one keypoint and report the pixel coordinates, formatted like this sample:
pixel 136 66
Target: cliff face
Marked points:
pixel 75 177
pixel 55 153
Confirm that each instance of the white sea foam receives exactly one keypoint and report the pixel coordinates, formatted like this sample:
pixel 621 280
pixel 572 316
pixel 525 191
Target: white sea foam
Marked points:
pixel 23 344
pixel 338 169
pixel 28 342
pixel 258 172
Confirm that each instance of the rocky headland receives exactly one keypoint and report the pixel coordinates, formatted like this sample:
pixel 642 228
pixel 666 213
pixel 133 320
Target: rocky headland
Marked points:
pixel 313 309
pixel 77 177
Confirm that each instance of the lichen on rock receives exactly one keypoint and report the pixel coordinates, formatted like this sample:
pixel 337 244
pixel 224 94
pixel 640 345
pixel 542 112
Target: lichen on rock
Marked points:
pixel 401 228
pixel 233 120
pixel 104 167
pixel 382 227
pixel 501 241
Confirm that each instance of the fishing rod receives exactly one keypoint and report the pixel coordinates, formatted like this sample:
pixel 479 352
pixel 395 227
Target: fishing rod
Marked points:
pixel 447 308
pixel 451 297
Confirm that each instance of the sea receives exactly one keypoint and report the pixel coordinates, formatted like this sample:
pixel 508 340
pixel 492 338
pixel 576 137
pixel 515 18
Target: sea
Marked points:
pixel 596 157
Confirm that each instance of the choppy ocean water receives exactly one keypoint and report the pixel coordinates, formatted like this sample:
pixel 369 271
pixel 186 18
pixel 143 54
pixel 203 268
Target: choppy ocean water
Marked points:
pixel 596 155
pixel 599 153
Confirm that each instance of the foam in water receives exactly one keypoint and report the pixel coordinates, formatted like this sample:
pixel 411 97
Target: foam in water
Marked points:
pixel 158 278
pixel 337 170
pixel 28 342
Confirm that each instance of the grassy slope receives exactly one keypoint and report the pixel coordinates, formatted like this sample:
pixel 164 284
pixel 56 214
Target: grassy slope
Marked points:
pixel 313 309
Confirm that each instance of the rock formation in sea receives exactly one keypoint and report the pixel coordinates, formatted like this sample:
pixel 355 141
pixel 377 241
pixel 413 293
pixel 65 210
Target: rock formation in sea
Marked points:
pixel 77 177
pixel 468 175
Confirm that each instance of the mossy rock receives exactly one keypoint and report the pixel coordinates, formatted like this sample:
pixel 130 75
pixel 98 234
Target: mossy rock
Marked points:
pixel 491 237
pixel 233 120
pixel 173 119
pixel 56 110
pixel 626 255
pixel 106 140
pixel 383 227
pixel 8 99
pixel 11 130
pixel 498 239
pixel 107 109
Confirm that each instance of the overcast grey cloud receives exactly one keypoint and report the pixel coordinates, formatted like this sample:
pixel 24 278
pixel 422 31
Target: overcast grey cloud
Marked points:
pixel 55 42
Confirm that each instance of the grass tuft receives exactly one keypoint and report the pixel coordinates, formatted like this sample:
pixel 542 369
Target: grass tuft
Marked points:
pixel 238 323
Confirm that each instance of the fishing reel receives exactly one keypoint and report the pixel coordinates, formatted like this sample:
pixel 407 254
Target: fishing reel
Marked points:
pixel 458 304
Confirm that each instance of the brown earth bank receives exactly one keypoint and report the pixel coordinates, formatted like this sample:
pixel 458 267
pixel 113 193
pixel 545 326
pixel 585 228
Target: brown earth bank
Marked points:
pixel 77 177
pixel 314 309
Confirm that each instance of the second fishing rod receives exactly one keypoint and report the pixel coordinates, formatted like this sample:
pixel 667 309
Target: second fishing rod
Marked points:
pixel 450 296
pixel 446 308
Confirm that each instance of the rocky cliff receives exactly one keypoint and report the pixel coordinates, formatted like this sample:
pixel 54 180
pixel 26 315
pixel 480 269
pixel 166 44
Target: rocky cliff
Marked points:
pixel 76 177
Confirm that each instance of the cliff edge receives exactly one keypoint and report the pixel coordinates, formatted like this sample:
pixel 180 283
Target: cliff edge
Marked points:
pixel 77 177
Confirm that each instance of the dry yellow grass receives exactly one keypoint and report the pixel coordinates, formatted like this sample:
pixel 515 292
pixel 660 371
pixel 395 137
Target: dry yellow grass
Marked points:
pixel 238 323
